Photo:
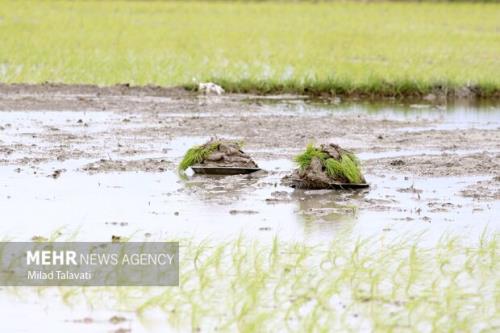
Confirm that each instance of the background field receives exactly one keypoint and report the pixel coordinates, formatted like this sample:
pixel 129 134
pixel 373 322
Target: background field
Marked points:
pixel 387 48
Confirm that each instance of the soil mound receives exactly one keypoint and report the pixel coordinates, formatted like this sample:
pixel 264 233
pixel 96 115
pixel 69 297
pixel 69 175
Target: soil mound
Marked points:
pixel 217 153
pixel 324 167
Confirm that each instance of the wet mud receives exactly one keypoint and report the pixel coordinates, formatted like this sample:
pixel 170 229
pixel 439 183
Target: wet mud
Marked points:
pixel 225 153
pixel 117 150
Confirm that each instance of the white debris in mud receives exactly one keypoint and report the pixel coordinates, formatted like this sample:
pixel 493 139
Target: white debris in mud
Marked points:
pixel 210 88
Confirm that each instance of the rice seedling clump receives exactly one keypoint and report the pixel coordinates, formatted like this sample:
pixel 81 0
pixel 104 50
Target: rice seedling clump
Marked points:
pixel 217 153
pixel 325 166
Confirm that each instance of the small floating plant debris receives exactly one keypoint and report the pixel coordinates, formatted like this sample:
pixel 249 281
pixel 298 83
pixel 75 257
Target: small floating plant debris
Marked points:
pixel 218 157
pixel 326 167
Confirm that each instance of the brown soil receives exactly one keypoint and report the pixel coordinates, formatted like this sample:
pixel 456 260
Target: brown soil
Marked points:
pixel 82 89
pixel 437 93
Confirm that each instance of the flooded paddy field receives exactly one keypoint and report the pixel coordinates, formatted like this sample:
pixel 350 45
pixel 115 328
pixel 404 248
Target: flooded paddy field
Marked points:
pixel 86 164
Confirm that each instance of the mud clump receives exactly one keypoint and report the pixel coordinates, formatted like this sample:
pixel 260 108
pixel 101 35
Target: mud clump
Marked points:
pixel 324 167
pixel 57 173
pixel 397 163
pixel 217 153
pixel 229 154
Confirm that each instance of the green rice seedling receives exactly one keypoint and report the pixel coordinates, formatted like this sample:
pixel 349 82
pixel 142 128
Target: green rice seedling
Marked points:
pixel 255 46
pixel 347 167
pixel 333 167
pixel 197 154
pixel 304 159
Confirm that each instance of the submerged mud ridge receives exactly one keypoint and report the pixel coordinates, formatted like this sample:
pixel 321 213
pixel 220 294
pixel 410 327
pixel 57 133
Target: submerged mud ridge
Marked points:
pixel 147 165
pixel 442 164
pixel 484 190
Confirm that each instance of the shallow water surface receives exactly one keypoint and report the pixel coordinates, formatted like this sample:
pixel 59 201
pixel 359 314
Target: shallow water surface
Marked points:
pixel 161 205
pixel 433 171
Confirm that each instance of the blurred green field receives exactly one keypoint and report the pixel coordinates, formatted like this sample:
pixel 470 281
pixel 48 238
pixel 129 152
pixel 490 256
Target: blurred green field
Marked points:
pixel 375 48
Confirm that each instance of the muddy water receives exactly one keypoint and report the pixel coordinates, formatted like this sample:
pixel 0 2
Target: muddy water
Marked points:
pixel 132 187
pixel 86 167
pixel 160 205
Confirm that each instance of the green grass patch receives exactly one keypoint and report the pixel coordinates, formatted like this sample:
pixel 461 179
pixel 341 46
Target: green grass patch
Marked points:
pixel 382 48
